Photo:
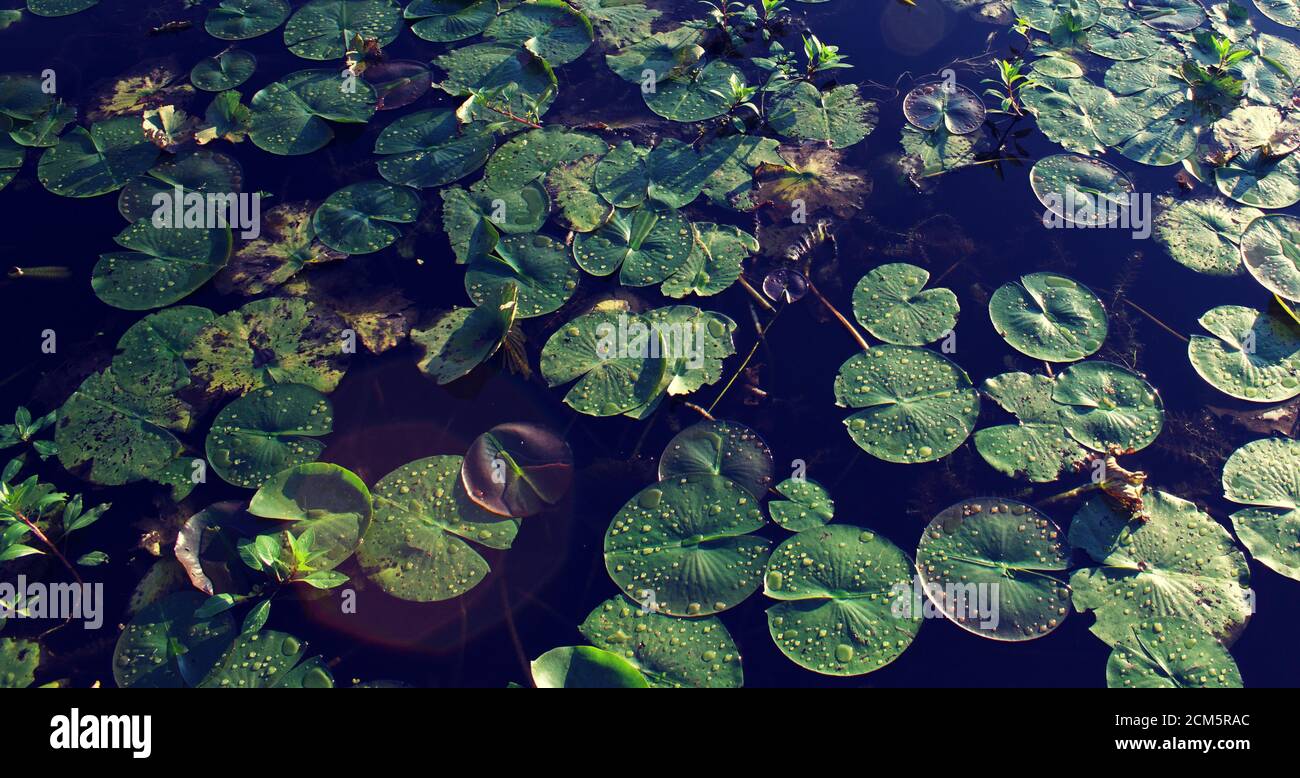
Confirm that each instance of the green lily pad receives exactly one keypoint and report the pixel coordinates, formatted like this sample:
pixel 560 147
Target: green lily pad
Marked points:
pixel 584 667
pixel 323 29
pixel 1262 474
pixel 647 244
pixel 1043 15
pixel 472 235
pixel 429 148
pixel 87 163
pixel 201 172
pixel 610 381
pixel 893 305
pixel 693 342
pixel 114 436
pixel 1037 447
pixel 675 173
pixel 537 266
pixel 275 340
pixel 464 338
pixel 59 7
pixel 1005 553
pixel 513 211
pixel 266 431
pixel 1081 190
pixel 18 661
pixel 362 218
pixel 810 505
pixel 957 108
pixel 1284 12
pixel 1169 15
pixel 517 470
pixel 839 117
pixel 237 20
pixel 487 67
pixel 1048 316
pixel 1106 406
pixel 572 185
pixel 291 116
pixel 1205 234
pixel 694 94
pixel 1270 250
pixel 715 262
pixel 328 501
pixel 1252 356
pixel 671 653
pixel 166 646
pixel 916 405
pixel 529 156
pixel 226 70
pixel 660 56
pixel 719 448
pixel 163 265
pixel 1175 562
pixel 1120 35
pixel 22 97
pixel 619 22
pixel 1254 178
pixel 415 548
pixel 150 354
pixel 43 132
pixel 621 175
pixel 1170 654
pixel 686 542
pixel 548 28
pixel 839 585
pixel 267 659
pixel 444 21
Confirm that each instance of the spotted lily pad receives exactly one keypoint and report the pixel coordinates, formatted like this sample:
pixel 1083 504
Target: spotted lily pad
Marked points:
pixel 838 587
pixel 686 543
pixel 809 505
pixel 660 56
pixel 1169 15
pixel 995 568
pixel 670 653
pixel 529 156
pixel 362 218
pixel 59 7
pixel 675 173
pixel 1106 405
pixel 1285 12
pixel 573 188
pixel 1263 475
pixel 536 266
pixel 1081 190
pixel 163 265
pixel 1120 35
pixel 463 338
pixel 201 172
pixel 839 116
pixel 322 29
pixel 719 448
pixel 150 354
pixel 430 148
pixel 1175 562
pixel 1048 316
pixel 517 469
pixel 226 70
pixel 647 244
pixel 87 163
pixel 551 29
pixel 291 116
pixel 18 661
pixel 584 667
pixel 1043 15
pixel 416 547
pixel 614 375
pixel 1270 250
pixel 266 431
pixel 486 67
pixel 286 245
pixel 1205 234
pixel 326 500
pixel 957 108
pixel 915 405
pixel 715 261
pixel 443 21
pixel 694 94
pixel 1170 654
pixel 892 303
pixel 1252 356
pixel 267 659
pixel 1038 446
pixel 167 646
pixel 621 176
pixel 237 20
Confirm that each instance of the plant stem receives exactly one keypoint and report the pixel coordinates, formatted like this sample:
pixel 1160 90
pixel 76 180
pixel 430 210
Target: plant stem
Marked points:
pixel 762 301
pixel 862 342
pixel 53 548
pixel 761 337
pixel 1152 317
pixel 708 416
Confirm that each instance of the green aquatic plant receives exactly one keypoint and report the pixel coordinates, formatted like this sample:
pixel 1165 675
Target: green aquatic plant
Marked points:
pixel 24 430
pixel 1050 317
pixel 584 667
pixel 809 505
pixel 267 431
pixel 669 652
pixel 892 304
pixel 1260 475
pixel 1037 446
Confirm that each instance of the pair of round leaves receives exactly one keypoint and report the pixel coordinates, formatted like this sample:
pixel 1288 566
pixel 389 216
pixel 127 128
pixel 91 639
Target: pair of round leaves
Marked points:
pixel 839 588
pixel 517 469
pixel 669 652
pixel 266 431
pixel 954 107
pixel 991 566
pixel 362 218
pixel 1263 475
pixel 1038 446
pixel 914 404
pixel 291 116
pixel 1253 356
pixel 1050 317
pixel 808 505
pixel 719 448
pixel 893 305
pixel 1270 250
pixel 686 543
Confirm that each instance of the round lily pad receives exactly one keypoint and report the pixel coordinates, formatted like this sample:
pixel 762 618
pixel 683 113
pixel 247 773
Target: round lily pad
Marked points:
pixel 1173 562
pixel 1044 15
pixel 1285 12
pixel 202 172
pixel 1270 250
pixel 893 305
pixel 719 448
pixel 610 381
pixel 102 159
pixel 1081 190
pixel 517 469
pixel 686 543
pixel 362 218
pixel 537 266
pixel 463 338
pixel 1120 35
pixel 59 7
pixel 291 116
pixel 323 29
pixel 1254 178
pixel 916 405
pixel 1169 15
pixel 621 175
pixel 1048 316
pixel 1204 235
pixel 1037 447
pixel 167 646
pixel 839 586
pixel 267 659
pixel 226 70
pixel 715 262
pixel 416 547
pixel 648 245
pixel 572 186
pixel 513 211
pixel 329 501
pixel 266 431
pixel 551 29
pixel 670 653
pixel 994 567
pixel 1263 474
pixel 838 117
pixel 695 94
pixel 163 265
pixel 1106 406
pixel 150 354
pixel 959 110
pixel 1170 654
pixel 531 155
pixel 1252 356
pixel 443 21
pixel 809 505
pixel 493 67
pixel 237 20
pixel 430 148
pixel 584 667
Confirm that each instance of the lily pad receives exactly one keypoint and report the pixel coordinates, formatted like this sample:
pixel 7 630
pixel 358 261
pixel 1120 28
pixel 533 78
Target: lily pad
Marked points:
pixel 512 211
pixel 584 667
pixel 226 70
pixel 487 67
pixel 537 266
pixel 671 653
pixel 1038 446
pixel 839 585
pixel 362 218
pixel 548 28
pixel 529 156
pixel 572 186
pixel 1175 562
pixel 266 431
pixel 1252 356
pixel 957 108
pixel 150 354
pixel 893 305
pixel 18 662
pixel 1081 190
pixel 1044 15
pixel 916 405
pixel 1169 15
pixel 517 469
pixel 463 338
pixel 237 20
pixel 647 244
pixel 1285 12
pixel 59 7
pixel 1120 35
pixel 291 116
pixel 686 542
pixel 1270 250
pixel 675 173
pixel 443 21
pixel 200 172
pixel 660 56
pixel 809 505
pixel 326 500
pixel 719 448
pixel 715 262
pixel 322 29
pixel 621 175
pixel 163 265
pixel 1170 654
pixel 838 117
pixel 1205 234
pixel 416 547
pixel 1005 554
pixel 267 659
pixel 1048 316
pixel 1253 178
pixel 1108 406
pixel 1263 474
pixel 286 245
pixel 429 148
pixel 166 646
pixel 610 380
pixel 694 94
pixel 87 163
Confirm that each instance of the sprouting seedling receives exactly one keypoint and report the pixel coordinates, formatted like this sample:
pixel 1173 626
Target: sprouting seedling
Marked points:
pixel 821 56
pixel 23 504
pixel 25 429
pixel 1006 88
pixel 770 9
pixel 738 94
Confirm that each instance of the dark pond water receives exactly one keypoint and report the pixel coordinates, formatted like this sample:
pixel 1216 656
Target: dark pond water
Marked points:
pixel 976 229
